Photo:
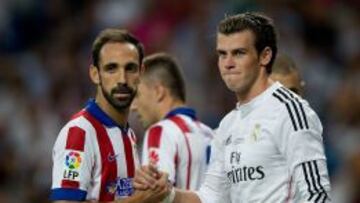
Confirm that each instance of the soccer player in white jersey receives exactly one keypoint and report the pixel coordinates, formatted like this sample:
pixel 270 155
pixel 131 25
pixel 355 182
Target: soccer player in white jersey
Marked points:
pixel 270 147
pixel 175 140
pixel 94 155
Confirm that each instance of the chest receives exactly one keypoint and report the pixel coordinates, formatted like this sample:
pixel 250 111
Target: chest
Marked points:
pixel 250 151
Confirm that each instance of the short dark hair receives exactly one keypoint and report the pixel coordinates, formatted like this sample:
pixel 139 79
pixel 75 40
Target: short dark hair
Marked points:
pixel 284 65
pixel 164 68
pixel 114 35
pixel 261 25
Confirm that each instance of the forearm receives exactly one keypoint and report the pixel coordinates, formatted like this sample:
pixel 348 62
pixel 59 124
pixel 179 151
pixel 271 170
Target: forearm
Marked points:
pixel 312 181
pixel 183 196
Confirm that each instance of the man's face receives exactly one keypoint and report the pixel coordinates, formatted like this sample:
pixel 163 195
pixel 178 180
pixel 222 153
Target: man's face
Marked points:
pixel 291 81
pixel 238 60
pixel 145 104
pixel 119 72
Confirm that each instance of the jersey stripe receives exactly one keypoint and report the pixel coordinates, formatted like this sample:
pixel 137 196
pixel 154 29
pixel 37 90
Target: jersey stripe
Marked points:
pixel 128 155
pixel 307 181
pixel 288 109
pixel 322 190
pixel 108 167
pixel 70 184
pixel 300 105
pixel 184 128
pixel 289 100
pixel 154 137
pixel 318 192
pixel 75 139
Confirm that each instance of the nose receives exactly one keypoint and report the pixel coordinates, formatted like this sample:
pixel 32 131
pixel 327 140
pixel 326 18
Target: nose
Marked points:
pixel 228 63
pixel 122 77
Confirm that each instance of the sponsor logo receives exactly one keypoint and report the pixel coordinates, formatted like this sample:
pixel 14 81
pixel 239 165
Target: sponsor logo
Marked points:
pixel 243 173
pixel 235 157
pixel 73 160
pixel 246 173
pixel 121 187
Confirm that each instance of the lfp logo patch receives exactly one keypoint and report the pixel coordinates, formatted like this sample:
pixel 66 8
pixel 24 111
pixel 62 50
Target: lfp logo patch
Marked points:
pixel 73 160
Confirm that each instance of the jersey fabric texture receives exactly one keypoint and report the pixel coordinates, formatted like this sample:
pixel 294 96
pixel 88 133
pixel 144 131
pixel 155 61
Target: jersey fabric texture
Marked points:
pixel 268 150
pixel 179 144
pixel 94 158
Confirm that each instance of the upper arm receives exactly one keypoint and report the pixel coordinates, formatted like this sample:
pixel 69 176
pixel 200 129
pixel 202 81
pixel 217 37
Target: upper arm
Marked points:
pixel 300 143
pixel 72 164
pixel 160 149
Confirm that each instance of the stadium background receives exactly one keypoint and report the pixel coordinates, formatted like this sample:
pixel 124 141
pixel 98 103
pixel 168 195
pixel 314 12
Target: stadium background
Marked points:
pixel 45 53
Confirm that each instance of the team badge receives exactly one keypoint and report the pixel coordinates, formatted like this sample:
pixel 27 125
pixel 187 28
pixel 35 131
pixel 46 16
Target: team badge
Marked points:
pixel 153 155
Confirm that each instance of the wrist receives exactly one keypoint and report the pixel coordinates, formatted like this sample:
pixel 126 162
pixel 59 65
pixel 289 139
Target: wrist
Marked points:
pixel 170 198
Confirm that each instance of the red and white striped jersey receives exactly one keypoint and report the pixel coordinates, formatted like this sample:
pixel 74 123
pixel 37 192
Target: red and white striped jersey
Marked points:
pixel 180 146
pixel 93 158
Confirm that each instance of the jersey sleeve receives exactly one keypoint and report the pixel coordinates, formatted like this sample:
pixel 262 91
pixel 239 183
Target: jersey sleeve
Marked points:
pixel 160 149
pixel 72 164
pixel 312 181
pixel 215 177
pixel 300 140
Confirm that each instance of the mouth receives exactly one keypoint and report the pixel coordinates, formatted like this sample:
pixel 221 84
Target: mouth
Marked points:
pixel 121 95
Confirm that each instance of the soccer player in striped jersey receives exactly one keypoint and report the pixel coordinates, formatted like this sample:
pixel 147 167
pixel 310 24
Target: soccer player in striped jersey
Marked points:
pixel 269 148
pixel 95 153
pixel 175 140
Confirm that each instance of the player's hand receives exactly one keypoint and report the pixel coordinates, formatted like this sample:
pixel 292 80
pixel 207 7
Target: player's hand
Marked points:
pixel 146 177
pixel 153 196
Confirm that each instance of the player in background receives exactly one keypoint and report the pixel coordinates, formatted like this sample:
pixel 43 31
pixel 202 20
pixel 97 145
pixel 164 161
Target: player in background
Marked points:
pixel 269 148
pixel 175 140
pixel 94 157
pixel 285 71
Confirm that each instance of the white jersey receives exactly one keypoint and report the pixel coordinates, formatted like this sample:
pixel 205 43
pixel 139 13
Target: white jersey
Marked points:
pixel 94 158
pixel 180 146
pixel 268 150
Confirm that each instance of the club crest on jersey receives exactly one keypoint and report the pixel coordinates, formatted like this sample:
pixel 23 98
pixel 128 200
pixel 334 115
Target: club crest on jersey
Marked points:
pixel 73 162
pixel 153 155
pixel 255 134
pixel 121 187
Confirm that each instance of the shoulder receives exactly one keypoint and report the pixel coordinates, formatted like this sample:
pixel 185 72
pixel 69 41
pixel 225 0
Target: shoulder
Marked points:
pixel 290 107
pixel 78 128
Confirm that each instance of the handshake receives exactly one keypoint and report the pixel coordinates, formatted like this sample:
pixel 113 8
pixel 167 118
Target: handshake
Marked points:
pixel 152 185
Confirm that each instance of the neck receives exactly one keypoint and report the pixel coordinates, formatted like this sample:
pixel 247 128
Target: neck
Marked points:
pixel 260 85
pixel 169 105
pixel 120 117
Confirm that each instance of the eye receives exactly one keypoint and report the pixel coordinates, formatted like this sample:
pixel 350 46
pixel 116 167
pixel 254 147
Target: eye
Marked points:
pixel 132 67
pixel 111 67
pixel 238 52
pixel 221 54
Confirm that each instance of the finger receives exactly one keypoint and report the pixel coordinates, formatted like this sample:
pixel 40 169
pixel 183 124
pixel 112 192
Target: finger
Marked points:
pixel 143 176
pixel 152 170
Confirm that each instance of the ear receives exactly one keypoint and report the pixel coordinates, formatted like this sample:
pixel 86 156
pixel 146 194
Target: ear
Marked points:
pixel 265 56
pixel 160 92
pixel 142 69
pixel 94 74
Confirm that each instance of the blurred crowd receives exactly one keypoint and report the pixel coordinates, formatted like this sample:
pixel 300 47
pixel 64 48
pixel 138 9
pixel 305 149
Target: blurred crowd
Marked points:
pixel 45 52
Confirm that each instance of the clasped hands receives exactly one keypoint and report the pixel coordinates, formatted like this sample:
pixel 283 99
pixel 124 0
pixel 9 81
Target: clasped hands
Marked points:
pixel 152 183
